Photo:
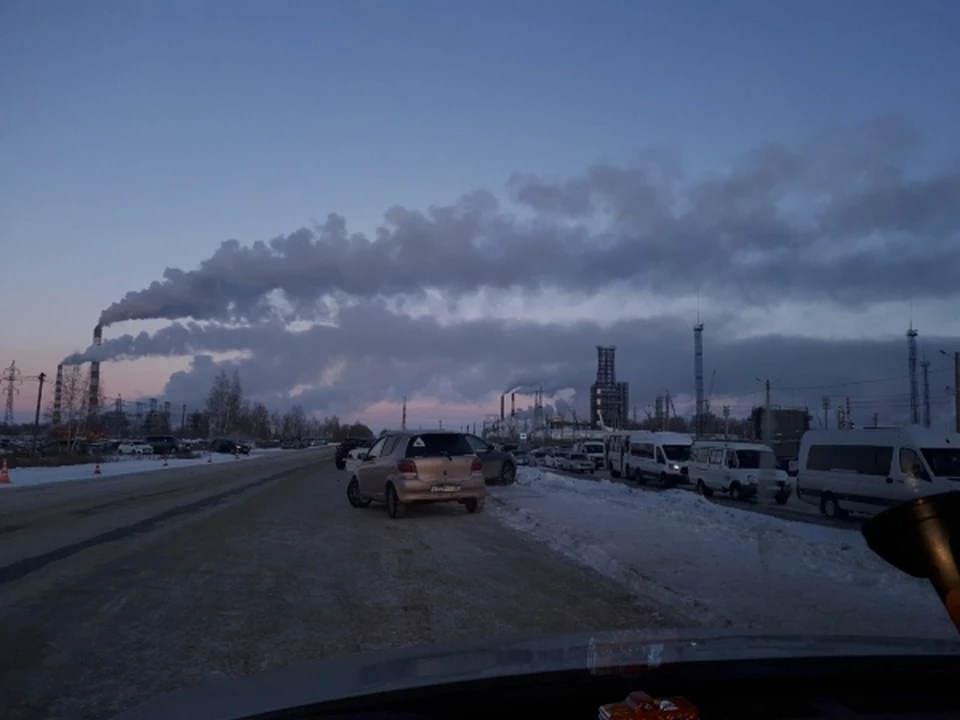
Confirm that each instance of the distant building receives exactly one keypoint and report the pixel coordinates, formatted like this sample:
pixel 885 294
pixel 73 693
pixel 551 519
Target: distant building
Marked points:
pixel 609 399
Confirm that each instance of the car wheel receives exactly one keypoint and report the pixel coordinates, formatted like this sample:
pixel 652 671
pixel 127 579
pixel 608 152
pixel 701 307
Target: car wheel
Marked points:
pixel 702 488
pixel 353 494
pixel 474 504
pixel 508 474
pixel 395 508
pixel 829 506
pixel 782 498
pixel 735 492
pixel 341 465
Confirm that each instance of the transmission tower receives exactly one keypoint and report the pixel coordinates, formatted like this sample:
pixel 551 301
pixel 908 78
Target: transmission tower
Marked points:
pixel 11 381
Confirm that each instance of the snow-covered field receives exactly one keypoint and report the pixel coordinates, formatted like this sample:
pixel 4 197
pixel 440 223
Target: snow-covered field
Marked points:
pixel 724 566
pixel 21 477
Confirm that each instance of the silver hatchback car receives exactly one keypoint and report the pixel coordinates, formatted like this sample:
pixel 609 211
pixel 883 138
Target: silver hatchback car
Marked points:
pixel 425 466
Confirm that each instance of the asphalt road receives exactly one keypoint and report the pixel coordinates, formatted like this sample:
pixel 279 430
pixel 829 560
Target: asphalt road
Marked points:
pixel 116 591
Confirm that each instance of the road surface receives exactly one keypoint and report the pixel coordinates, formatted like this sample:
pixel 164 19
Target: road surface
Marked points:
pixel 115 591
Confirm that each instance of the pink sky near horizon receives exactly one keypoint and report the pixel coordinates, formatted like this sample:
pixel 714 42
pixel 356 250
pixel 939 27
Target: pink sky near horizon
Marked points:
pixel 146 377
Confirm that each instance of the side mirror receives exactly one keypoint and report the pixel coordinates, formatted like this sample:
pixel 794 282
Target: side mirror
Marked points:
pixel 919 538
pixel 368 457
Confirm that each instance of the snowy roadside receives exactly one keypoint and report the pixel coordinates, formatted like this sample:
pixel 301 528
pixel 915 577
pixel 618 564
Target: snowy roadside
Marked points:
pixel 721 565
pixel 28 477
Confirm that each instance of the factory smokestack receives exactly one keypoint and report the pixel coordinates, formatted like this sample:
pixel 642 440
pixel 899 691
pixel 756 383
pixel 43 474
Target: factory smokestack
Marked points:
pixel 513 404
pixel 501 406
pixel 93 401
pixel 58 396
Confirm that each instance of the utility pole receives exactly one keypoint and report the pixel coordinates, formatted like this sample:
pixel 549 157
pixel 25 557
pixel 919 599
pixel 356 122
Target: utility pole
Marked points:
pixel 766 431
pixel 403 415
pixel 36 418
pixel 876 420
pixel 925 374
pixel 956 387
pixel 826 412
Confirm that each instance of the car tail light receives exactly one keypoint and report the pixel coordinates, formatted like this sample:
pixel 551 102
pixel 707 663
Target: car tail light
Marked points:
pixel 476 465
pixel 407 466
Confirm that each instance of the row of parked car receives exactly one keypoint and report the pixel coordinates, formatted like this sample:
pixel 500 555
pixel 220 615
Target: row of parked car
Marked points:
pixel 403 467
pixel 170 445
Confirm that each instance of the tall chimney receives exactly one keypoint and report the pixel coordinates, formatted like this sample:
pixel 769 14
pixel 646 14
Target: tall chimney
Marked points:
pixel 58 397
pixel 513 404
pixel 93 400
pixel 501 405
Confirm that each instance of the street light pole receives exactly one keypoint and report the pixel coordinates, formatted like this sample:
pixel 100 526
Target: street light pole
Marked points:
pixel 956 387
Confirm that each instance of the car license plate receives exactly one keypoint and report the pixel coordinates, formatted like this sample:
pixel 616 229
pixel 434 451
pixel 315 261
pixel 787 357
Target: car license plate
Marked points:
pixel 445 488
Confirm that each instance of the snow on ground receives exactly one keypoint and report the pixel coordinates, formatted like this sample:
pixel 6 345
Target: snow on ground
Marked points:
pixel 724 566
pixel 21 477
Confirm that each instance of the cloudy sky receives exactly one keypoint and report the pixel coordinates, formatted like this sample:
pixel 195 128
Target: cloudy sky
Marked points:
pixel 357 202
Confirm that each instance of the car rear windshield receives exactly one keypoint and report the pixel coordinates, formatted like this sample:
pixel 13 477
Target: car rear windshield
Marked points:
pixel 438 444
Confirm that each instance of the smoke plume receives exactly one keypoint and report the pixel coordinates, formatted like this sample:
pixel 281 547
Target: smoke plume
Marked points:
pixel 839 216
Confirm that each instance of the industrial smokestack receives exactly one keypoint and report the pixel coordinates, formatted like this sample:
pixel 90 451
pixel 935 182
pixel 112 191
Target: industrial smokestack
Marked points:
pixel 93 401
pixel 58 396
pixel 502 397
pixel 513 405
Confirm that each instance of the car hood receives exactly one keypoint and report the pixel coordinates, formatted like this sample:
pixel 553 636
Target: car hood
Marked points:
pixel 229 699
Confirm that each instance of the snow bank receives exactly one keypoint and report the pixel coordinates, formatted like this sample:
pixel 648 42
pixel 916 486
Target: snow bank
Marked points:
pixel 724 566
pixel 21 477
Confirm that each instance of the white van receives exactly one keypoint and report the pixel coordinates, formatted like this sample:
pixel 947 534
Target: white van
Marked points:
pixel 643 456
pixel 740 469
pixel 593 449
pixel 870 469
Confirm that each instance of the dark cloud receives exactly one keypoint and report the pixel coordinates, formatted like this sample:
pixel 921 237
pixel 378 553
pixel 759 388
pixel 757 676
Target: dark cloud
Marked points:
pixel 840 217
pixel 384 356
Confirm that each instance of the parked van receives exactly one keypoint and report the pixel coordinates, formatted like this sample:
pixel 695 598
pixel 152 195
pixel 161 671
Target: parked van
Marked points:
pixel 870 469
pixel 740 469
pixel 645 455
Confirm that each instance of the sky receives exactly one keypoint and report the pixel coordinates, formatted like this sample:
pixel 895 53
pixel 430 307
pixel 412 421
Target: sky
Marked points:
pixel 356 202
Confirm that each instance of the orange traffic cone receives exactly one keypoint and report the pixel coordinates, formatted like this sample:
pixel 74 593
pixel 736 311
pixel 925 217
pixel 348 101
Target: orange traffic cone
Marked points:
pixel 4 474
pixel 96 469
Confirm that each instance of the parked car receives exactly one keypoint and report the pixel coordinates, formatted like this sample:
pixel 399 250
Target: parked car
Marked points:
pixel 134 448
pixel 227 445
pixel 344 448
pixel 577 462
pixel 402 468
pixel 163 444
pixel 499 466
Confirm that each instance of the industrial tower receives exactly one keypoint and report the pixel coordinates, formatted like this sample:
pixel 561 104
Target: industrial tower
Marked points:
pixel 912 368
pixel 698 374
pixel 11 380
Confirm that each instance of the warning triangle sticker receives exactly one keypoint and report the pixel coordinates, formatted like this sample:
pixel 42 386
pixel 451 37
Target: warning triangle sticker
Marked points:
pixel 419 443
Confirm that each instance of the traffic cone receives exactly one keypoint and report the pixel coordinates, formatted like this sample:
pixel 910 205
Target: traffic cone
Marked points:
pixel 4 474
pixel 96 469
